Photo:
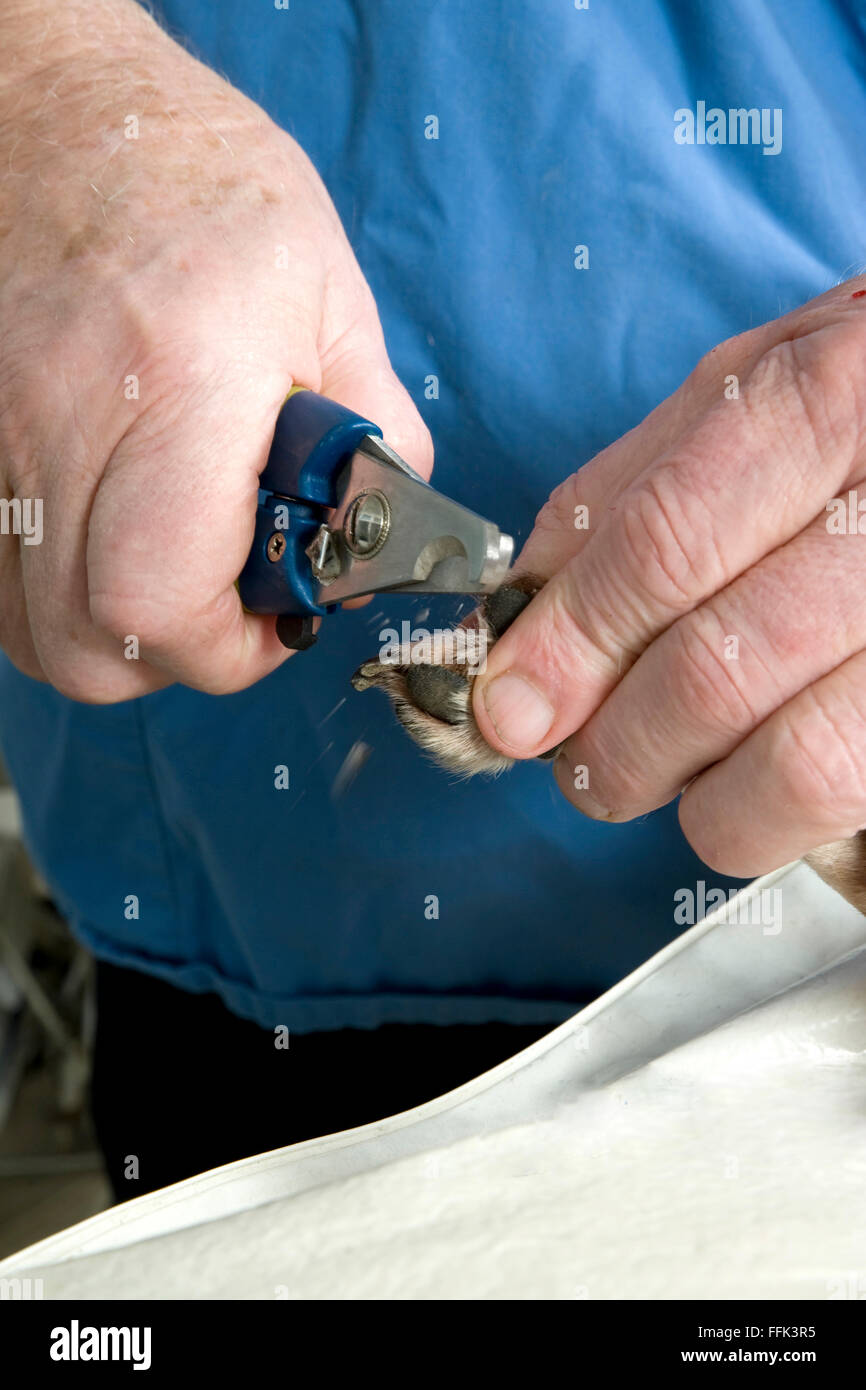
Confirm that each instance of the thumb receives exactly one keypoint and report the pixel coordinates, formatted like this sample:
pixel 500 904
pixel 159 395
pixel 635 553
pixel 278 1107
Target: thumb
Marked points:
pixel 357 372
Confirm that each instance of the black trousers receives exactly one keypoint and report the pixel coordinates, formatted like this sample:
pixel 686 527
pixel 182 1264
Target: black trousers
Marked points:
pixel 181 1085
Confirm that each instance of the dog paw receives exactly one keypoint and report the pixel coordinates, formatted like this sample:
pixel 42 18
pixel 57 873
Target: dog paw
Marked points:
pixel 433 699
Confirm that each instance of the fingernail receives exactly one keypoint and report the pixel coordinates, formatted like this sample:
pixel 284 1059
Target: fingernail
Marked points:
pixel 521 715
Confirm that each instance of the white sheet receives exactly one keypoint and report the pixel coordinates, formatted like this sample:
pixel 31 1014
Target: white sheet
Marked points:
pixel 662 1144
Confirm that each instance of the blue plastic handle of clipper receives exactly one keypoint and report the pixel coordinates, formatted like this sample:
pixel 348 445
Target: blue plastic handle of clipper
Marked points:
pixel 314 437
pixel 285 585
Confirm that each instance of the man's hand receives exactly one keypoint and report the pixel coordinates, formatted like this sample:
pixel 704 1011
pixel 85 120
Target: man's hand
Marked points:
pixel 707 629
pixel 170 263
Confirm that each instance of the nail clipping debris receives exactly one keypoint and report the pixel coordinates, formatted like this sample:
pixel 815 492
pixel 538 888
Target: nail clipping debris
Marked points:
pixel 350 767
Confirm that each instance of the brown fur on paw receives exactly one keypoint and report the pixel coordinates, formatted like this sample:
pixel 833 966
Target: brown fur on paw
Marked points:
pixel 843 866
pixel 433 700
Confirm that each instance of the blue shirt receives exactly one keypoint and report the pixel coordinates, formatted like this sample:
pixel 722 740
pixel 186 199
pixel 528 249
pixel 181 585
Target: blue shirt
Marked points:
pixel 558 128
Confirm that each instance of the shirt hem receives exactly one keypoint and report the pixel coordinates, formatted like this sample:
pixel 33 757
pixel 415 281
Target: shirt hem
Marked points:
pixel 328 1012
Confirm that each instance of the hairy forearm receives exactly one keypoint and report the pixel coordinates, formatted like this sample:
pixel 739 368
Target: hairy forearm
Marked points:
pixel 39 37
pixel 108 127
pixel 73 73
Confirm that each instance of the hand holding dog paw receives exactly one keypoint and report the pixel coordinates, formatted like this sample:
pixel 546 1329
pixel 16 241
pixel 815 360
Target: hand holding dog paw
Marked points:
pixel 706 630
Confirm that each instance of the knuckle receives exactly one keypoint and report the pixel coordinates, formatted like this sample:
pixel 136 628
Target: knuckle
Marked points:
pixel 658 538
pixel 70 685
pixel 560 636
pixel 15 637
pixel 820 766
pixel 112 614
pixel 216 682
pixel 123 615
pixel 22 656
pixel 79 680
pixel 703 682
pixel 558 510
pixel 555 535
pixel 707 378
pixel 841 378
pixel 810 389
